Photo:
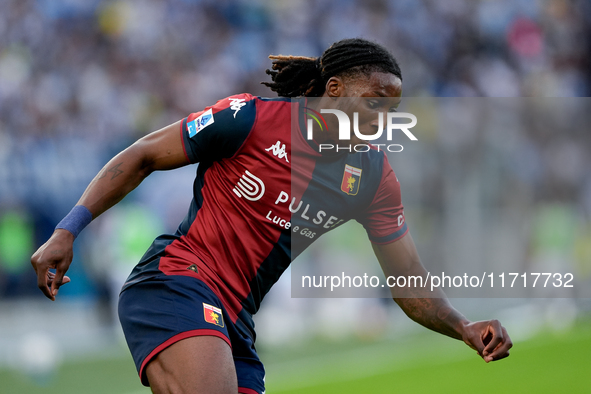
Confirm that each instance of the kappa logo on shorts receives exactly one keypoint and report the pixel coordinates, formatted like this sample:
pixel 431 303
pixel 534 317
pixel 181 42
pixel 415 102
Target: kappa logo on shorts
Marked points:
pixel 213 315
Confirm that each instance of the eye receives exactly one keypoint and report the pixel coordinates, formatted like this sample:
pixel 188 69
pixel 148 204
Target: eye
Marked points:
pixel 373 104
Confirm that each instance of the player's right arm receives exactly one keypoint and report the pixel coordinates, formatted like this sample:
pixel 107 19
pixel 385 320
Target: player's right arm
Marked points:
pixel 160 150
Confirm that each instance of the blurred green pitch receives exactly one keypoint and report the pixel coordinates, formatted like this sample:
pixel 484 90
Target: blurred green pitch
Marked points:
pixel 426 362
pixel 548 363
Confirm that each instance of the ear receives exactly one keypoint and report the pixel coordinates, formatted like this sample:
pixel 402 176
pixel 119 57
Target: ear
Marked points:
pixel 335 87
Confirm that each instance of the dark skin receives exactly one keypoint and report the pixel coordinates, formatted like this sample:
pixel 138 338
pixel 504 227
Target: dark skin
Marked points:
pixel 381 92
pixel 161 150
pixel 176 368
pixel 369 97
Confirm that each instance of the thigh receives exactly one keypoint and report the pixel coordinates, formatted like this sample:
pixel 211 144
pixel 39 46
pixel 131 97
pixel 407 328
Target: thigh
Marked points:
pixel 249 368
pixel 179 324
pixel 158 313
pixel 195 365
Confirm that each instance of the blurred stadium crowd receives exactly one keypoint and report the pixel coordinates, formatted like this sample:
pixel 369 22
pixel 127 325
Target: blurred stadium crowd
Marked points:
pixel 82 79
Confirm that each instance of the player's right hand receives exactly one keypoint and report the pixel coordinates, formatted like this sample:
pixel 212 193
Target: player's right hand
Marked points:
pixel 56 253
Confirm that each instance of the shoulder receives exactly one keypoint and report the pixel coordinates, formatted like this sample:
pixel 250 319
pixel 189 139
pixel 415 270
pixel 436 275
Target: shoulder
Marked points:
pixel 375 162
pixel 234 103
pixel 242 105
pixel 219 130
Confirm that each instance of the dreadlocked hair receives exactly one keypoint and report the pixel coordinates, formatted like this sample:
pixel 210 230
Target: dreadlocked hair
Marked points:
pixel 294 76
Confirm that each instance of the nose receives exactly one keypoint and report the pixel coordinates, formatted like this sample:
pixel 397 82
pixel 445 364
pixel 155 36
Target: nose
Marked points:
pixel 377 122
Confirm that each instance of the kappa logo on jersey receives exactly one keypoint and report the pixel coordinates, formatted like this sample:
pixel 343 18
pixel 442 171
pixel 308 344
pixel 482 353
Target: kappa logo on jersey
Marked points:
pixel 236 104
pixel 249 187
pixel 278 150
pixel 351 179
pixel 213 315
pixel 201 122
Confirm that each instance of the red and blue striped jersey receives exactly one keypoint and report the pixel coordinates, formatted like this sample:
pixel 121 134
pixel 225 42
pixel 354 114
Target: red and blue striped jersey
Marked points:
pixel 262 194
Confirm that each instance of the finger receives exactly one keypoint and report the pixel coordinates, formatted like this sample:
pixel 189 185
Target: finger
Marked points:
pixel 51 276
pixel 502 350
pixel 42 282
pixel 497 337
pixel 501 356
pixel 476 344
pixel 58 279
pixel 496 358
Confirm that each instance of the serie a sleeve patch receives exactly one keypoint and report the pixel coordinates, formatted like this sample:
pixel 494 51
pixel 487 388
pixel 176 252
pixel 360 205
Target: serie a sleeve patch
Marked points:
pixel 201 122
pixel 218 131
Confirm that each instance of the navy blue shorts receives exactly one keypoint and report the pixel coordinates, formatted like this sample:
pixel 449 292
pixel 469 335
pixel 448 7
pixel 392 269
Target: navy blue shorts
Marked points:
pixel 157 312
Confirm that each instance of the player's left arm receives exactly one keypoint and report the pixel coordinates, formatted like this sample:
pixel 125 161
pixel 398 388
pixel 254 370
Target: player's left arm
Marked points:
pixel 432 309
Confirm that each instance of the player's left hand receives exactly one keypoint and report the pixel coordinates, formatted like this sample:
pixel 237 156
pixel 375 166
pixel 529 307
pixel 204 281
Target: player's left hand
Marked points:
pixel 489 338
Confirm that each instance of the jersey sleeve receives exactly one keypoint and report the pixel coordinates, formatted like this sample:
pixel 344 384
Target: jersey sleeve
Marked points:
pixel 384 219
pixel 218 131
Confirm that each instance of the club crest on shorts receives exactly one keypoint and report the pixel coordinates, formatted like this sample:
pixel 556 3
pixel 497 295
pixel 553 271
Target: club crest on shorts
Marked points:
pixel 351 179
pixel 213 315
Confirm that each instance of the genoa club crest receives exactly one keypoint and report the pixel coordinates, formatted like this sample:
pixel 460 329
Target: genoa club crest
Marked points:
pixel 351 179
pixel 213 315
